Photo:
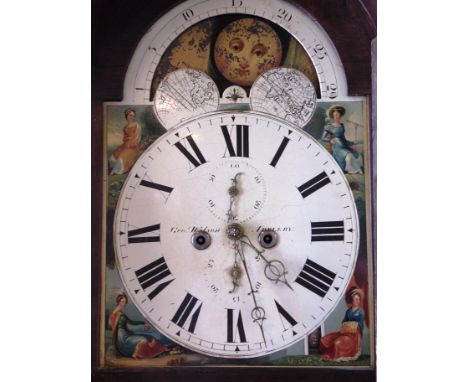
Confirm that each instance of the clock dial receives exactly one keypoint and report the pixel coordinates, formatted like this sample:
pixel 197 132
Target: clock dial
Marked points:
pixel 293 206
pixel 303 27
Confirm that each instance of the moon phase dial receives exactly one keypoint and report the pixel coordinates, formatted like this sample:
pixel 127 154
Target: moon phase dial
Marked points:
pixel 252 190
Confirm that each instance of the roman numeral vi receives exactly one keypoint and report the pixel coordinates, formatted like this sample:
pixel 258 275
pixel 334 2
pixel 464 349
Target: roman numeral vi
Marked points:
pixel 239 326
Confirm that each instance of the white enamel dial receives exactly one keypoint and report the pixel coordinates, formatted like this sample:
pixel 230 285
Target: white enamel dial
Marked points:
pixel 296 21
pixel 286 183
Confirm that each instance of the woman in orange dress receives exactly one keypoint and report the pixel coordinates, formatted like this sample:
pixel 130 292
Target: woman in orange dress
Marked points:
pixel 123 158
pixel 126 342
pixel 345 345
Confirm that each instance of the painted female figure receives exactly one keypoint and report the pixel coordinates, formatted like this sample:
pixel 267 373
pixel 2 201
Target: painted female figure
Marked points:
pixel 123 158
pixel 349 160
pixel 126 342
pixel 345 345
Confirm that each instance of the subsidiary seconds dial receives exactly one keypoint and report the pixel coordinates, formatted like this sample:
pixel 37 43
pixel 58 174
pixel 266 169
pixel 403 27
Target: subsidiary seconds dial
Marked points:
pixel 203 273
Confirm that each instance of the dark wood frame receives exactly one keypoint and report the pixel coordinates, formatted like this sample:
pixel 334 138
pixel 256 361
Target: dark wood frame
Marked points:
pixel 117 26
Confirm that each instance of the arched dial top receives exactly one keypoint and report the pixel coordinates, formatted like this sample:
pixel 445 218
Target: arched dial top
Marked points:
pixel 296 21
pixel 286 183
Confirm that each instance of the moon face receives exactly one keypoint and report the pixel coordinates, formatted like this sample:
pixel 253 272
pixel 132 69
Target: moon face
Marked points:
pixel 245 49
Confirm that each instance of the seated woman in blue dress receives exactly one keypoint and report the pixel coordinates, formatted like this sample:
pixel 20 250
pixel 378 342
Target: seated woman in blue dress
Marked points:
pixel 349 160
pixel 127 342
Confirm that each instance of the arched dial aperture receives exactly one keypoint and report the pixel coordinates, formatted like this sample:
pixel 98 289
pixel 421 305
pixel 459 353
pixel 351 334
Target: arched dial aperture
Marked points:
pixel 288 183
pixel 302 26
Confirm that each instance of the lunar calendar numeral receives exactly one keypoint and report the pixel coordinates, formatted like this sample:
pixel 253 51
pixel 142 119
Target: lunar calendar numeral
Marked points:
pixel 196 150
pixel 320 51
pixel 133 238
pixel 280 151
pixel 284 14
pixel 239 326
pixel 187 14
pixel 283 313
pixel 152 274
pixel 242 141
pixel 332 90
pixel 316 278
pixel 327 231
pixel 186 309
pixel 314 184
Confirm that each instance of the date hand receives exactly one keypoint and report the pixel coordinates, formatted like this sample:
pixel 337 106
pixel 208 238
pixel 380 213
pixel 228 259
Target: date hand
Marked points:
pixel 274 269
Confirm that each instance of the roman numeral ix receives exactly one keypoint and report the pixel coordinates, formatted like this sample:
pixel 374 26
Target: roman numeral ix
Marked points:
pixel 316 278
pixel 242 141
pixel 327 231
pixel 133 235
pixel 152 274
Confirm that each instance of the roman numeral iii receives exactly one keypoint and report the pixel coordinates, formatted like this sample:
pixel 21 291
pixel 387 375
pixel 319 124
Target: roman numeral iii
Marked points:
pixel 242 141
pixel 316 183
pixel 186 309
pixel 199 160
pixel 327 231
pixel 133 235
pixel 316 278
pixel 152 274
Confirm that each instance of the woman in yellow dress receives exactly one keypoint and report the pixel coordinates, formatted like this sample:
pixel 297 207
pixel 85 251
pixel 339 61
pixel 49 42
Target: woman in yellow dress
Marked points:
pixel 123 158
